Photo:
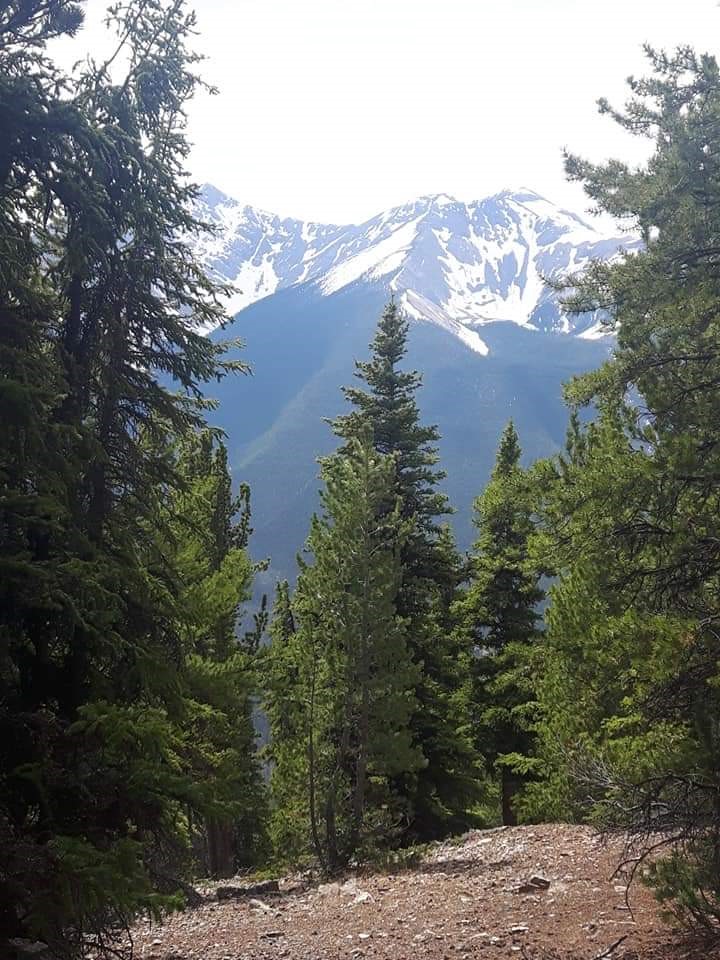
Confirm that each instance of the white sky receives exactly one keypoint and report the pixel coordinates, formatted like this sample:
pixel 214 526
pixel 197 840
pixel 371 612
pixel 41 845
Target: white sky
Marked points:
pixel 336 109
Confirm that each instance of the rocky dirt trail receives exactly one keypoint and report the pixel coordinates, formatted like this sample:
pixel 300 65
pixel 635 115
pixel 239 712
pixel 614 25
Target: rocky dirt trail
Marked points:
pixel 527 892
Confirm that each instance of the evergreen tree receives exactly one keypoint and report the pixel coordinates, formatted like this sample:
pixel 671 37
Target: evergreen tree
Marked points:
pixel 100 296
pixel 389 407
pixel 499 615
pixel 628 687
pixel 344 668
pixel 209 529
pixel 285 704
pixel 603 643
pixel 442 791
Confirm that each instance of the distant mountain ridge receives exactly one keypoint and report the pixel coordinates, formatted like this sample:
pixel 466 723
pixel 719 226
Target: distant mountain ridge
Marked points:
pixel 488 336
pixel 455 265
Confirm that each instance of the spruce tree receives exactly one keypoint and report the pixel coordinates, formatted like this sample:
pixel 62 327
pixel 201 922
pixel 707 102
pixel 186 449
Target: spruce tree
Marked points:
pixel 389 408
pixel 499 615
pixel 342 662
pixel 101 303
pixel 440 793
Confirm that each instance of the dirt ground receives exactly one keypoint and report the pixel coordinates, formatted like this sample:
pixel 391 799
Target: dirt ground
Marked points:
pixel 472 897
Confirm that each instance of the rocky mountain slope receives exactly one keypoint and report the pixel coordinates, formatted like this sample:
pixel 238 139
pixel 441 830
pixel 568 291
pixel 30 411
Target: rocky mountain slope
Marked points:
pixel 456 265
pixel 546 892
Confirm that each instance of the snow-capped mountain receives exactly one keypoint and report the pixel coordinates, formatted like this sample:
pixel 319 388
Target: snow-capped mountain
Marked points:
pixel 310 295
pixel 453 264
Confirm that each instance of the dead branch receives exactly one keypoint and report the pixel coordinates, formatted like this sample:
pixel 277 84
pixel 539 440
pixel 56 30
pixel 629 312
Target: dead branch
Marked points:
pixel 607 952
pixel 611 949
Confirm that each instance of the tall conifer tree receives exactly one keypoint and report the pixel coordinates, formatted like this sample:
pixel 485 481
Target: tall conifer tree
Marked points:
pixel 440 793
pixel 342 666
pixel 499 615
pixel 207 543
pixel 629 680
pixel 101 301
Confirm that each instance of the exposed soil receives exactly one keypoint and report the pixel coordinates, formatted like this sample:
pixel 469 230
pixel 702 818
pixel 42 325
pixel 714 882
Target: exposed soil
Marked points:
pixel 468 898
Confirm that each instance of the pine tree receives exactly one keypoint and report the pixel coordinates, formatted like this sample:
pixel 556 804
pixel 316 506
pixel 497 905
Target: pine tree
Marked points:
pixel 598 651
pixel 345 667
pixel 499 615
pixel 440 793
pixel 628 686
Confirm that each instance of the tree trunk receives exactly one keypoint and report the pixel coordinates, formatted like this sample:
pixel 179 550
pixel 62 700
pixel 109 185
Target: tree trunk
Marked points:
pixel 358 812
pixel 312 799
pixel 221 847
pixel 331 842
pixel 509 787
pixel 336 857
pixel 358 815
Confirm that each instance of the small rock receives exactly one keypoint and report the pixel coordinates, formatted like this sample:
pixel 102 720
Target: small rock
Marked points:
pixel 329 889
pixel 363 897
pixel 259 905
pixel 527 888
pixel 363 936
pixel 519 929
pixel 538 881
pixel 271 934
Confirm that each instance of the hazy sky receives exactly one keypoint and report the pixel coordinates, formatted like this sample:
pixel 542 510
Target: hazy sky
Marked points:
pixel 336 109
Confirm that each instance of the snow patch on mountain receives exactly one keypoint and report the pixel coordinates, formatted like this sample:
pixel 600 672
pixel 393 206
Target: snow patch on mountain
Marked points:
pixel 598 331
pixel 374 262
pixel 419 308
pixel 454 264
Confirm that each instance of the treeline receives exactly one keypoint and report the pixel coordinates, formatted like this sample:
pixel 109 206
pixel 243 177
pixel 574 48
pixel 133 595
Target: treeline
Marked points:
pixel 566 669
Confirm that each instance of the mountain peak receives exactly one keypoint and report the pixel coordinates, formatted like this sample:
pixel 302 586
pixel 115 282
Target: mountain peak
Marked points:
pixel 213 197
pixel 454 264
pixel 520 193
pixel 439 200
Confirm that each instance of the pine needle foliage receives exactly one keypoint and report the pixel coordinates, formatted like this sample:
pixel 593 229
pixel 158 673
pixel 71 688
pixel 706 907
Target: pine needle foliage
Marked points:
pixel 208 537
